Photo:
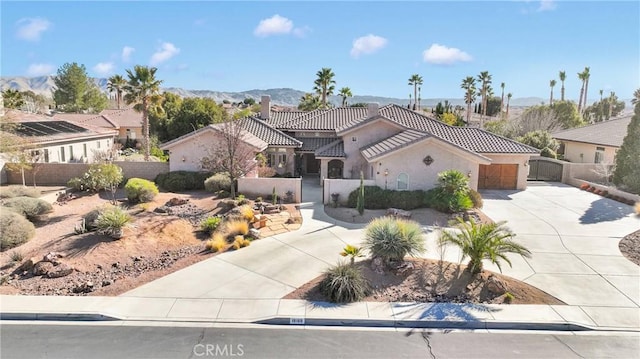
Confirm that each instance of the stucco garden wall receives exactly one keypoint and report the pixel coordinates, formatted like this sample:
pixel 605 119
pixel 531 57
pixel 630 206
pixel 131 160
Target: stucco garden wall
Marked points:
pixel 254 187
pixel 342 187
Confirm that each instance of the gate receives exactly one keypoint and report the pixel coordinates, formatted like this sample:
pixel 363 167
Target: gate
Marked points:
pixel 544 170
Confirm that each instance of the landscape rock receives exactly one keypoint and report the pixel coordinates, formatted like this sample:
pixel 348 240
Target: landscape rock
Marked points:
pixel 377 265
pixel 27 265
pixel 53 257
pixel 42 268
pixel 255 233
pixel 176 202
pixel 61 270
pixel 495 286
pixel 161 209
pixel 404 267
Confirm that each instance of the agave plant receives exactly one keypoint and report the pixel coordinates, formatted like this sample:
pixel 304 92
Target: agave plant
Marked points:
pixel 492 241
pixel 392 239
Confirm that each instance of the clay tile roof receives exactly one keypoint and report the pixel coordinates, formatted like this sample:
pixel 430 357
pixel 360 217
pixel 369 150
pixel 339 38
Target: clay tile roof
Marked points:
pixel 268 134
pixel 607 133
pixel 278 118
pixel 310 144
pixel 333 149
pixel 392 143
pixel 127 117
pixel 326 120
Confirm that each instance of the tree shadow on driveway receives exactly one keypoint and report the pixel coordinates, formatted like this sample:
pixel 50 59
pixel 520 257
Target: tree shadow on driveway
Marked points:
pixel 605 210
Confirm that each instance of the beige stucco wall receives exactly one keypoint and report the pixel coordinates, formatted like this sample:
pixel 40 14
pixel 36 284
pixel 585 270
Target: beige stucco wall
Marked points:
pixel 572 151
pixel 421 176
pixel 343 187
pixel 288 165
pixel 521 160
pixel 77 148
pixel 122 133
pixel 364 136
pixel 253 187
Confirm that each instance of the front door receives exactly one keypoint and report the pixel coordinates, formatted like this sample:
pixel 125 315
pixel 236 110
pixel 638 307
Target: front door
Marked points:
pixel 313 164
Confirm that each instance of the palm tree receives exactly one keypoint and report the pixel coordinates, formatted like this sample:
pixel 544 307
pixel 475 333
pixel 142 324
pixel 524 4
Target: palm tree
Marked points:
pixel 309 102
pixel 352 252
pixel 601 92
pixel 116 83
pixel 324 84
pixel 345 92
pixel 636 97
pixel 552 83
pixel 563 76
pixel 492 241
pixel 502 97
pixel 509 95
pixel 586 86
pixel 582 76
pixel 485 80
pixel 143 89
pixel 612 101
pixel 469 87
pixel 415 80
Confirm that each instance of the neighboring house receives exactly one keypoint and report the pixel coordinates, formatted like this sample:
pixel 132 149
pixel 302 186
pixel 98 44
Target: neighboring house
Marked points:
pixel 62 141
pixel 597 143
pixel 128 122
pixel 397 147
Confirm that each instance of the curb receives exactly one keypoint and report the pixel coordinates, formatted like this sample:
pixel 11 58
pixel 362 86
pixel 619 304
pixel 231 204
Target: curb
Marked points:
pixel 80 317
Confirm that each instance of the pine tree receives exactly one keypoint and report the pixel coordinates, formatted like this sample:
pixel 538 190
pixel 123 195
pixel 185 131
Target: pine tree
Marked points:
pixel 627 172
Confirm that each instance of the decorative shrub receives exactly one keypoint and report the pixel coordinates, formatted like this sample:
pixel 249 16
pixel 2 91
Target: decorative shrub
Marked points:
pixel 240 242
pixel 98 177
pixel 30 208
pixel 265 171
pixel 344 283
pixel 16 256
pixel 15 230
pixel 247 213
pixel 476 198
pixel 112 219
pixel 91 218
pixel 19 191
pixel 210 224
pixel 140 190
pixel 218 182
pixel 228 204
pixel 392 239
pixel 217 243
pixel 378 198
pixel 179 181
pixel 242 200
pixel 235 227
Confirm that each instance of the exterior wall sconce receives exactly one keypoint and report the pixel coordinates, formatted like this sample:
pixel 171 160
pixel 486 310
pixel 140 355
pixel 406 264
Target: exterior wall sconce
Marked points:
pixel 184 159
pixel 469 174
pixel 526 163
pixel 386 172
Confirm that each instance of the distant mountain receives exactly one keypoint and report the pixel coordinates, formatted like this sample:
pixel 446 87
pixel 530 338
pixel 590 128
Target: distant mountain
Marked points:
pixel 44 85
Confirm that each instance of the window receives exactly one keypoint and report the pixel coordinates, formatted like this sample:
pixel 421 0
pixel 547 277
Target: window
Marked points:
pixel 84 150
pixel 599 155
pixel 98 144
pixel 46 155
pixel 403 182
pixel 70 153
pixel 62 156
pixel 283 159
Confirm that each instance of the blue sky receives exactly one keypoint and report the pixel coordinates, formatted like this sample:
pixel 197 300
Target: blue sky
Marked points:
pixel 373 47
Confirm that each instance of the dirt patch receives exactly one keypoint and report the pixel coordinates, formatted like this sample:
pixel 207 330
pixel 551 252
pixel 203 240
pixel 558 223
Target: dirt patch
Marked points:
pixel 156 244
pixel 425 280
pixel 425 216
pixel 630 247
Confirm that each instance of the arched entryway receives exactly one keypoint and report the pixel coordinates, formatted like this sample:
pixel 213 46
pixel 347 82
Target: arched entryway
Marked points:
pixel 335 168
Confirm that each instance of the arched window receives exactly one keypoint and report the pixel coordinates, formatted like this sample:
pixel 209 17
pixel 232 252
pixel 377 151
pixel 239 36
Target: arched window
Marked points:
pixel 403 182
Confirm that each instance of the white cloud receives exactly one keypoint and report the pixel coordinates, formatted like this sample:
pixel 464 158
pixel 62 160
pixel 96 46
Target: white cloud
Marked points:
pixel 547 5
pixel 301 31
pixel 366 45
pixel 441 55
pixel 31 29
pixel 275 25
pixel 104 68
pixel 126 53
pixel 40 70
pixel 166 51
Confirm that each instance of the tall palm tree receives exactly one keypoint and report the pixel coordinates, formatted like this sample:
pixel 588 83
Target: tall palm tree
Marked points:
pixel 415 80
pixel 583 77
pixel 345 93
pixel 636 97
pixel 116 83
pixel 492 241
pixel 612 101
pixel 509 95
pixel 586 86
pixel 601 92
pixel 324 84
pixel 469 87
pixel 485 80
pixel 563 76
pixel 502 97
pixel 143 90
pixel 552 83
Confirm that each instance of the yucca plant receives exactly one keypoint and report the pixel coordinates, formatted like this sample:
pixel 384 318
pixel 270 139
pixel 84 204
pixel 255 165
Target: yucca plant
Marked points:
pixel 492 241
pixel 352 252
pixel 344 283
pixel 392 239
pixel 111 221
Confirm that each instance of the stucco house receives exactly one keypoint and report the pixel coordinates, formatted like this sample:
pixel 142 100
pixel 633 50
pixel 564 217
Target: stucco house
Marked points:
pixel 127 122
pixel 396 147
pixel 597 143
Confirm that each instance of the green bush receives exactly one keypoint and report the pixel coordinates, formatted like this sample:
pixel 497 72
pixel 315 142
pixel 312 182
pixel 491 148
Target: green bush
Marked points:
pixel 452 193
pixel 28 207
pixel 180 181
pixel 547 152
pixel 91 218
pixel 140 190
pixel 392 239
pixel 210 224
pixel 344 283
pixel 15 230
pixel 19 191
pixel 476 198
pixel 98 177
pixel 378 198
pixel 218 182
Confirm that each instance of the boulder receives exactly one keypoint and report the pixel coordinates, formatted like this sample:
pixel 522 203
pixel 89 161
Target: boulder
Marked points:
pixel 377 265
pixel 495 286
pixel 254 233
pixel 161 209
pixel 27 266
pixel 175 201
pixel 42 268
pixel 53 257
pixel 61 270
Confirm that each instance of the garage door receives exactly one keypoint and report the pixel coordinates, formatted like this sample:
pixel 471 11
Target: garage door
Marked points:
pixel 498 176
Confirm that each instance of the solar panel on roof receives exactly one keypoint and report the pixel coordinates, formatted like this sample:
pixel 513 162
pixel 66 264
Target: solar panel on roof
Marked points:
pixel 48 128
